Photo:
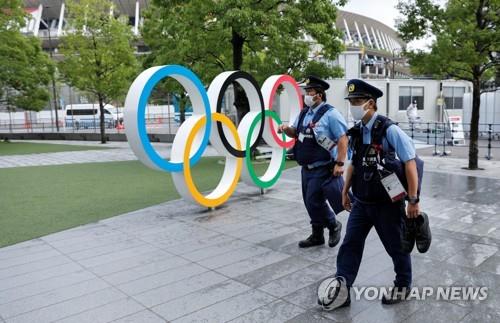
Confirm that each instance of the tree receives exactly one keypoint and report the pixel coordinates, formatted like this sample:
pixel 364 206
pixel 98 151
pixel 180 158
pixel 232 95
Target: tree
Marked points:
pixel 98 55
pixel 465 46
pixel 262 37
pixel 24 68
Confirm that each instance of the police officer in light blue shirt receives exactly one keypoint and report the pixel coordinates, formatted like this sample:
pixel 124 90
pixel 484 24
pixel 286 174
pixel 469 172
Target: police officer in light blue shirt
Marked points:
pixel 376 142
pixel 320 149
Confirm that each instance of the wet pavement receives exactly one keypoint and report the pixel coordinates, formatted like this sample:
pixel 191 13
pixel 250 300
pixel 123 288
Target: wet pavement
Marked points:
pixel 182 263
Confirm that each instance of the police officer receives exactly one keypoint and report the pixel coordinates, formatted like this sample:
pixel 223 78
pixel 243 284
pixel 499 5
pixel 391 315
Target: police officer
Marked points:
pixel 320 149
pixel 375 204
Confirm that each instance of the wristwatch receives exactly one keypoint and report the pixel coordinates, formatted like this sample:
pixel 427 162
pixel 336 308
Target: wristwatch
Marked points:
pixel 413 199
pixel 340 163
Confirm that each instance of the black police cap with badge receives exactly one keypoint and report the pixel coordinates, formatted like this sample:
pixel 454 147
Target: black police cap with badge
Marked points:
pixel 313 82
pixel 360 89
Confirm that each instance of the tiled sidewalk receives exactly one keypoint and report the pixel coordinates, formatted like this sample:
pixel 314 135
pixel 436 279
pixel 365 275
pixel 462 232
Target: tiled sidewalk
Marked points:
pixel 178 262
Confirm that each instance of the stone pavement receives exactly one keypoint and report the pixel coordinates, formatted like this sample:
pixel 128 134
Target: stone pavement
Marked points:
pixel 182 263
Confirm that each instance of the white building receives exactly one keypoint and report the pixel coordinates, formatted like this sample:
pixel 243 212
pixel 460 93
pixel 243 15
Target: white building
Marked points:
pixel 399 93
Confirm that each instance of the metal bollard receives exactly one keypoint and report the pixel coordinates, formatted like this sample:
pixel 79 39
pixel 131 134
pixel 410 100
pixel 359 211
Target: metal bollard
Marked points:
pixel 490 131
pixel 451 132
pixel 444 153
pixel 436 152
pixel 428 132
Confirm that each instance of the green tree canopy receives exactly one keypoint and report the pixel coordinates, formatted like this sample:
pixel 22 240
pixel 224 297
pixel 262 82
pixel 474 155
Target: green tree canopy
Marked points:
pixel 24 68
pixel 98 55
pixel 262 37
pixel 466 46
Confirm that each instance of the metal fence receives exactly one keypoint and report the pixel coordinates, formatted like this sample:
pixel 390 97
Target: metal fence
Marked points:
pixel 442 136
pixel 158 124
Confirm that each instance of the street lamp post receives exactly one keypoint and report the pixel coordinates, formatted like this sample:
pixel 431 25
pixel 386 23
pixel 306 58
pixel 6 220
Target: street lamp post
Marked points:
pixel 393 59
pixel 396 56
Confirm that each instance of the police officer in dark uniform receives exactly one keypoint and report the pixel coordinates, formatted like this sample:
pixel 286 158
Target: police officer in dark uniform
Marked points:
pixel 320 149
pixel 375 203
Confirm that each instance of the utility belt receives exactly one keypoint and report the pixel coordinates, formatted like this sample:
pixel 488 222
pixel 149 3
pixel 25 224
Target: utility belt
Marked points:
pixel 378 202
pixel 330 165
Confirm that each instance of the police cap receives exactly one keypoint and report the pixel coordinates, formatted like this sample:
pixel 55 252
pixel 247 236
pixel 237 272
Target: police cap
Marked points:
pixel 360 89
pixel 313 82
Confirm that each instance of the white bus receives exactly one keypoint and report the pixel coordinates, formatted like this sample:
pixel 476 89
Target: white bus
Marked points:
pixel 88 115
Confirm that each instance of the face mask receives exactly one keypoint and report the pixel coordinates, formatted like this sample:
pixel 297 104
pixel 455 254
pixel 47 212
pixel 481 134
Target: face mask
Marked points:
pixel 309 100
pixel 358 111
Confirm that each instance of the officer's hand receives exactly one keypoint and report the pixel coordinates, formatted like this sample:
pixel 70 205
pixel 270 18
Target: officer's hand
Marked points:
pixel 338 170
pixel 346 201
pixel 412 210
pixel 282 128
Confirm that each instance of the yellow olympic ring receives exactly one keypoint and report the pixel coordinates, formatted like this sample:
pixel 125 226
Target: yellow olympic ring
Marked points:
pixel 215 198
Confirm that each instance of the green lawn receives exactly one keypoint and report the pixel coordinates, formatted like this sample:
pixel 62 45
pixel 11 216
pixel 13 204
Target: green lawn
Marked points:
pixel 23 148
pixel 36 201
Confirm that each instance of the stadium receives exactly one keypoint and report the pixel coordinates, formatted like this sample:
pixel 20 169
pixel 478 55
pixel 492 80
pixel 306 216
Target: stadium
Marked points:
pixel 372 52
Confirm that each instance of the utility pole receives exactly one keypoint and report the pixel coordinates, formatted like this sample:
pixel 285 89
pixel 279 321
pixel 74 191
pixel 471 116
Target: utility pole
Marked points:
pixel 393 59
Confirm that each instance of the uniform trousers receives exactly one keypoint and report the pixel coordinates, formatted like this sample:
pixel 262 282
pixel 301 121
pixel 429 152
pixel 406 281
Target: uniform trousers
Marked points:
pixel 387 218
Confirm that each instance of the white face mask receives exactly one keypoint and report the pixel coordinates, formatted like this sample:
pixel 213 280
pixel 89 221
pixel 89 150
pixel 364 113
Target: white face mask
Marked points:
pixel 309 100
pixel 358 111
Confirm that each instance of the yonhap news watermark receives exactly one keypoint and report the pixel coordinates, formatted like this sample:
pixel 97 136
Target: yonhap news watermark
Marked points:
pixel 444 293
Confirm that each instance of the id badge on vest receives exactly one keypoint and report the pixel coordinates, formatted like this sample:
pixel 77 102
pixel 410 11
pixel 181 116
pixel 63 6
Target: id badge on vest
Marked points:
pixel 393 187
pixel 301 137
pixel 326 142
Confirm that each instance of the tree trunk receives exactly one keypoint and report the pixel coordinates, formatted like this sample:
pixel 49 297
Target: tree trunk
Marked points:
pixel 474 121
pixel 9 109
pixel 237 40
pixel 101 120
pixel 497 77
pixel 240 98
pixel 182 108
pixel 10 119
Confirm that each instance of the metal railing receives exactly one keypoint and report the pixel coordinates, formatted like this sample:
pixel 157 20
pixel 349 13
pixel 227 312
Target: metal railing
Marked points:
pixel 154 124
pixel 442 136
pixel 436 134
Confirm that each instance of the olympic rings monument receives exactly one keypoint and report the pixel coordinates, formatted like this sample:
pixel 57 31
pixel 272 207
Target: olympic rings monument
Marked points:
pixel 208 124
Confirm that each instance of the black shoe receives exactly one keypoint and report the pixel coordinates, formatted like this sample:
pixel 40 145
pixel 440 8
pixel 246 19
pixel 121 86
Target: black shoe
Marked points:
pixel 315 239
pixel 408 235
pixel 334 235
pixel 398 294
pixel 345 304
pixel 422 233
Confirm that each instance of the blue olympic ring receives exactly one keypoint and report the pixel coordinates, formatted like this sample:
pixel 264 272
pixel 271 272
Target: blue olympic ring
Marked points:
pixel 165 71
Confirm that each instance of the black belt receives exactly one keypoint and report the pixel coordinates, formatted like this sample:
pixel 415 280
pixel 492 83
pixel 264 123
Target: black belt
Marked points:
pixel 374 202
pixel 329 165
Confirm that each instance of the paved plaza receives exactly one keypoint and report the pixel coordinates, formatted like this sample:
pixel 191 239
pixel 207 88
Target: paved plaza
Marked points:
pixel 178 262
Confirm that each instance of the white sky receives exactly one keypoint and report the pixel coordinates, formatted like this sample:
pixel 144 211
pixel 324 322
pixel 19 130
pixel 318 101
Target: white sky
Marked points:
pixel 384 11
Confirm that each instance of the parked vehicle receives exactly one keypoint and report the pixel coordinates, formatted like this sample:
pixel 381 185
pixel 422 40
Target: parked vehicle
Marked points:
pixel 88 115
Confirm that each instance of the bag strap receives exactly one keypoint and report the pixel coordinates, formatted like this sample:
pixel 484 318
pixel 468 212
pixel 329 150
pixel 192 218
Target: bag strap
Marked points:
pixel 355 136
pixel 317 115
pixel 302 115
pixel 379 129
pixel 321 112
